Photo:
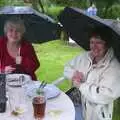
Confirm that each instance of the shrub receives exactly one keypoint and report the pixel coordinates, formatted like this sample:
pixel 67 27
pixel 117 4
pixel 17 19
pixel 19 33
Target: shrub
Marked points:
pixel 113 12
pixel 54 11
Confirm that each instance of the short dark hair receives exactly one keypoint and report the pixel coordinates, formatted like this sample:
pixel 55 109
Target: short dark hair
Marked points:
pixel 103 32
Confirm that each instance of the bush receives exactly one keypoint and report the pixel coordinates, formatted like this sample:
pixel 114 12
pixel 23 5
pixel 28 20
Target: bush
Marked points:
pixel 113 12
pixel 54 11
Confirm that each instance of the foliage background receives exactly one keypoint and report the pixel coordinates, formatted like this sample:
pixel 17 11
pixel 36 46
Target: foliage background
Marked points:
pixel 106 8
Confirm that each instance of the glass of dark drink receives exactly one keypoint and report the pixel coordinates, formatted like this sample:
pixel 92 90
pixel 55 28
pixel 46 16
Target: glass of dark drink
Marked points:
pixel 3 98
pixel 2 107
pixel 39 105
pixel 17 68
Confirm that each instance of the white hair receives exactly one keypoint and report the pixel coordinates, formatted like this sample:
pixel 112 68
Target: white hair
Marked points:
pixel 15 22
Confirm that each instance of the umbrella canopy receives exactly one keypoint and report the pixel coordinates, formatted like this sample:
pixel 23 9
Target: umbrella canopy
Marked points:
pixel 79 26
pixel 39 27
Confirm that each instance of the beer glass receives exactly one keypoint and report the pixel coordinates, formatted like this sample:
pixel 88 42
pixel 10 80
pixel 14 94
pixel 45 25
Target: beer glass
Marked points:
pixel 39 105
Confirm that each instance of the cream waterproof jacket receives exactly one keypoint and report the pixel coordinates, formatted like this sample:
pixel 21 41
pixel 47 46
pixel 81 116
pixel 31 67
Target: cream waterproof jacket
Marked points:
pixel 101 84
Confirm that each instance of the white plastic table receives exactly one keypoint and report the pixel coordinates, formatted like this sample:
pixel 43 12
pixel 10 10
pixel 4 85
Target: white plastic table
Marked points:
pixel 59 108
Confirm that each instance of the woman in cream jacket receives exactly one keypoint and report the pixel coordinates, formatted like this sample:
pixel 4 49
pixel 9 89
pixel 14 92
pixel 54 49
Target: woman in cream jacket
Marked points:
pixel 97 75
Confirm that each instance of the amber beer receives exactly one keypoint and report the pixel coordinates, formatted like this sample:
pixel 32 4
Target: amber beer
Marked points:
pixel 39 105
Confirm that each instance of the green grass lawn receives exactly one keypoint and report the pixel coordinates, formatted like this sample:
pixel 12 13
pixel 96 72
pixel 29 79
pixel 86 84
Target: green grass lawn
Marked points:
pixel 53 55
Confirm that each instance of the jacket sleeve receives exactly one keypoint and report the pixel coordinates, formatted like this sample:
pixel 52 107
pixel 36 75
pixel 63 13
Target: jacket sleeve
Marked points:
pixel 104 93
pixel 71 67
pixel 29 60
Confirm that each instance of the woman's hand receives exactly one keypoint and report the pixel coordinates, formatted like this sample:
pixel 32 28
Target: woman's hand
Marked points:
pixel 9 69
pixel 77 78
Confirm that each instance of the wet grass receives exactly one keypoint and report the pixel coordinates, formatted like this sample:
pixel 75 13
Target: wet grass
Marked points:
pixel 53 55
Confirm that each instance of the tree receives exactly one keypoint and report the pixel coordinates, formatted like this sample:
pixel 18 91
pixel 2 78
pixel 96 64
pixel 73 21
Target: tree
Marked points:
pixel 76 3
pixel 2 3
pixel 41 5
pixel 11 2
pixel 104 5
pixel 36 4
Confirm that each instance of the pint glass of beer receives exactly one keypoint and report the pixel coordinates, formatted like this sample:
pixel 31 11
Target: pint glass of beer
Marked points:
pixel 39 105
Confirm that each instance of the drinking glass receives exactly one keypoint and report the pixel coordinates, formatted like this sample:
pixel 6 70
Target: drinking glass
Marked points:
pixel 17 100
pixel 39 105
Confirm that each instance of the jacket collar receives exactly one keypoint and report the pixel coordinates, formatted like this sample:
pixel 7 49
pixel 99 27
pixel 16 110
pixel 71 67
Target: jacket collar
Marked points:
pixel 105 60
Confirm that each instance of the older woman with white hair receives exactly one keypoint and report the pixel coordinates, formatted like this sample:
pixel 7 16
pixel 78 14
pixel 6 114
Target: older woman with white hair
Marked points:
pixel 16 54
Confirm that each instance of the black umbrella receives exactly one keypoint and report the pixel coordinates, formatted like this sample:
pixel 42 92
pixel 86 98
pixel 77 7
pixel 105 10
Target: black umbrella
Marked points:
pixel 79 26
pixel 39 27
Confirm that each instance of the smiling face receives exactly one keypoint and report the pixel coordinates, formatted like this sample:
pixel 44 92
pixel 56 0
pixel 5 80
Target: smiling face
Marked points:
pixel 14 33
pixel 98 47
pixel 14 29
